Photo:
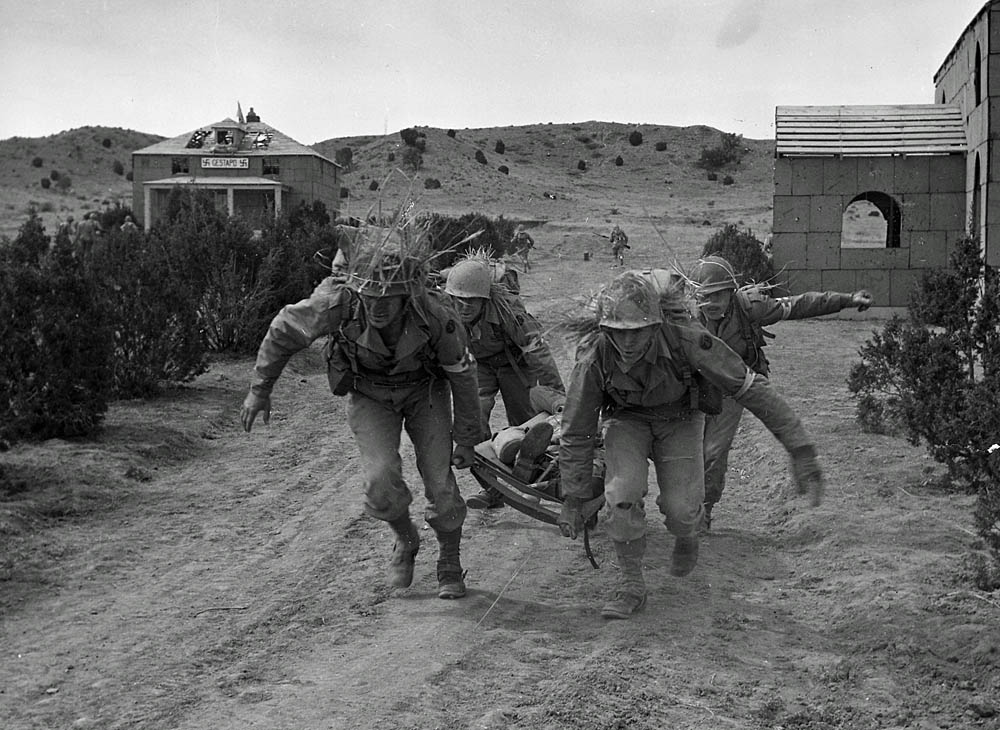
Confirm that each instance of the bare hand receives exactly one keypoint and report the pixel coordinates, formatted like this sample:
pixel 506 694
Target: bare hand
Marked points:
pixel 252 405
pixel 464 457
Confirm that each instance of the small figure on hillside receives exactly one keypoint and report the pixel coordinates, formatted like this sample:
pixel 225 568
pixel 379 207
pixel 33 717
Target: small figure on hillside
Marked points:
pixel 521 244
pixel 129 225
pixel 400 354
pixel 67 228
pixel 88 233
pixel 511 354
pixel 737 316
pixel 619 243
pixel 629 374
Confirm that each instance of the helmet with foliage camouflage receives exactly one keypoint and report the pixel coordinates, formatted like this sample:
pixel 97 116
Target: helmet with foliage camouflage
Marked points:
pixel 714 274
pixel 384 269
pixel 629 302
pixel 470 279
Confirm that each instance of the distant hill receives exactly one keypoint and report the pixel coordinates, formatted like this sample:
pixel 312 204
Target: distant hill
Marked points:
pixel 86 155
pixel 657 186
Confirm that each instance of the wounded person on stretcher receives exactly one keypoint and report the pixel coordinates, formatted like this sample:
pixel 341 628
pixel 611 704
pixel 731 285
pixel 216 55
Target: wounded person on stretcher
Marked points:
pixel 532 448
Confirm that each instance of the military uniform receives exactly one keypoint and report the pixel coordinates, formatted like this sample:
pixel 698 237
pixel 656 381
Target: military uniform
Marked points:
pixel 647 415
pixel 638 371
pixel 511 357
pixel 388 390
pixel 749 310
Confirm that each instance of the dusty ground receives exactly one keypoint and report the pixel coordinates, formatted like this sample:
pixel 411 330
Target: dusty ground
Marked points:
pixel 175 572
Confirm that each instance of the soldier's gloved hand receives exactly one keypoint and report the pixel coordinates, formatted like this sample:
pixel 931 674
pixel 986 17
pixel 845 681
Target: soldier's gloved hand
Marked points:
pixel 808 476
pixel 252 405
pixel 463 457
pixel 862 300
pixel 571 517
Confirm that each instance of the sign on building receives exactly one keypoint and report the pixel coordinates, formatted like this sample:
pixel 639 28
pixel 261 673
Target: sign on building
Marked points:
pixel 228 163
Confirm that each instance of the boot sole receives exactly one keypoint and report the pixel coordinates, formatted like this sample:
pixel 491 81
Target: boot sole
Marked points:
pixel 451 591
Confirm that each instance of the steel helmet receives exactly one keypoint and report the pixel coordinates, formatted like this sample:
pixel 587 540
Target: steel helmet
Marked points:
pixel 469 279
pixel 714 274
pixel 629 302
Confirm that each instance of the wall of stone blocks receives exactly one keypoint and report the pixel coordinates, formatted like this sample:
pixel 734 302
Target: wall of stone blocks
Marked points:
pixel 811 195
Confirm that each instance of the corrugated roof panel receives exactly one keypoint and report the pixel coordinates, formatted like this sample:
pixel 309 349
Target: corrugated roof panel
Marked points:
pixel 864 131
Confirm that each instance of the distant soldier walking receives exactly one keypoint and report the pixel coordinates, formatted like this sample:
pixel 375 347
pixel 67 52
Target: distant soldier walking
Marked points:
pixel 737 315
pixel 619 243
pixel 521 244
pixel 88 233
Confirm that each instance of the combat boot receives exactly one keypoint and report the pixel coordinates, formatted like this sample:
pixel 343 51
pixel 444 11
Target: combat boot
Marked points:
pixel 685 555
pixel 533 445
pixel 451 577
pixel 485 499
pixel 630 595
pixel 404 552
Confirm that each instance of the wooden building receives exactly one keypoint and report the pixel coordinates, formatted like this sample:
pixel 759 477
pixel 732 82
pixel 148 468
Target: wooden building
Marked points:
pixel 866 196
pixel 253 170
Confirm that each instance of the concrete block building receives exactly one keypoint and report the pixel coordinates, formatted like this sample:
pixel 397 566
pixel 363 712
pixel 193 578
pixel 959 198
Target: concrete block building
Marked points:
pixel 872 196
pixel 253 170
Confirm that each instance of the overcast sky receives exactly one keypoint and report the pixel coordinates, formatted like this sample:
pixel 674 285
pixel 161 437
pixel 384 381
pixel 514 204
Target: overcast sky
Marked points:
pixel 316 70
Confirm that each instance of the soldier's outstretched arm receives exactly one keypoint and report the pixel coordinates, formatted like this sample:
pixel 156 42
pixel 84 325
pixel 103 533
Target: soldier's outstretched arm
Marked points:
pixel 293 329
pixel 725 369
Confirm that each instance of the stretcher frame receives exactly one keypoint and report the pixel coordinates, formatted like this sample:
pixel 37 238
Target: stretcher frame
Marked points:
pixel 535 499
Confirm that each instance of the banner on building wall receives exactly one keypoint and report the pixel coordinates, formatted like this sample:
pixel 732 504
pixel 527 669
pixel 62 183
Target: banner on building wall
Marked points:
pixel 228 163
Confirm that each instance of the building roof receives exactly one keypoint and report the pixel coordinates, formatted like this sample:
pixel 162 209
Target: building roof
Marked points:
pixel 216 181
pixel 259 140
pixel 868 131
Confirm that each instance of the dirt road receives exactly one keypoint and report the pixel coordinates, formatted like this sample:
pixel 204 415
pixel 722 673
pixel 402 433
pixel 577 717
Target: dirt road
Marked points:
pixel 178 573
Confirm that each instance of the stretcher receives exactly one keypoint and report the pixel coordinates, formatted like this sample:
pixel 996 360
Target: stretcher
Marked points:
pixel 540 498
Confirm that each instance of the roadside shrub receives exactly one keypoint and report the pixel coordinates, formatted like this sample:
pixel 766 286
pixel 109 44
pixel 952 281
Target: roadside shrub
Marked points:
pixel 118 168
pixel 421 144
pixel 728 151
pixel 500 147
pixel 581 165
pixel 412 158
pixel 409 136
pixel 619 161
pixel 449 235
pixel 728 180
pixel 57 344
pixel 432 183
pixel 106 142
pixel 504 169
pixel 451 133
pixel 743 251
pixel 373 185
pixel 935 376
pixel 64 182
pixel 480 157
pixel 391 157
pixel 344 192
pixel 37 162
pixel 712 176
pixel 635 138
pixel 54 175
pixel 129 176
pixel 46 183
pixel 660 146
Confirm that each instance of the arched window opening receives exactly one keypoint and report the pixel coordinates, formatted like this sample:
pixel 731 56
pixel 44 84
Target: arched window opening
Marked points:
pixel 977 74
pixel 974 222
pixel 871 220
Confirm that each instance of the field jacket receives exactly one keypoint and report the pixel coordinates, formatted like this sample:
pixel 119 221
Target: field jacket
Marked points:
pixel 652 389
pixel 433 346
pixel 751 309
pixel 506 334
